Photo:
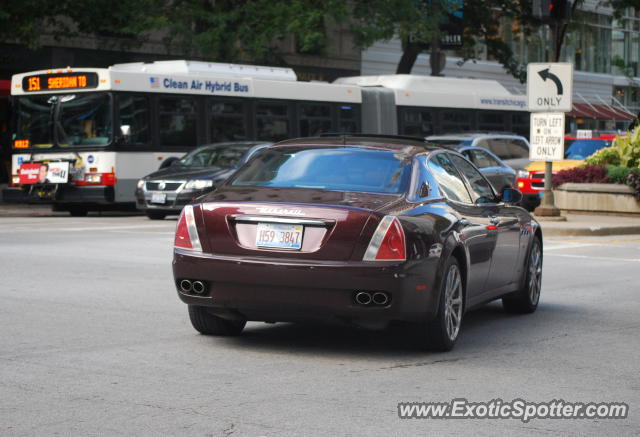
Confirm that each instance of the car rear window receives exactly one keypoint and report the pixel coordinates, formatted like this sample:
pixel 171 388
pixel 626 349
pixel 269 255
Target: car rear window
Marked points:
pixel 582 149
pixel 328 168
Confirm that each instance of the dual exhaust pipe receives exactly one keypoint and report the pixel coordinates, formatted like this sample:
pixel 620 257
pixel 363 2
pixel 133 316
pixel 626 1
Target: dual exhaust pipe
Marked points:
pixel 189 286
pixel 365 298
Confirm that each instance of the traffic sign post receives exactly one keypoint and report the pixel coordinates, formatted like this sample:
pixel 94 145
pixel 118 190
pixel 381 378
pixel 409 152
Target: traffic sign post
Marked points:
pixel 549 95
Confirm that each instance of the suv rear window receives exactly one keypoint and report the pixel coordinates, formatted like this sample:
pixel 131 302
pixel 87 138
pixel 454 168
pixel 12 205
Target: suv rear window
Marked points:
pixel 328 168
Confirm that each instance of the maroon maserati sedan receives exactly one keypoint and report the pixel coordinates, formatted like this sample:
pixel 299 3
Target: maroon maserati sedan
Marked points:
pixel 360 230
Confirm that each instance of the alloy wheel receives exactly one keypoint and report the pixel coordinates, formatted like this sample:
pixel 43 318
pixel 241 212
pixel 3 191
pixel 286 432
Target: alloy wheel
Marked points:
pixel 453 302
pixel 535 274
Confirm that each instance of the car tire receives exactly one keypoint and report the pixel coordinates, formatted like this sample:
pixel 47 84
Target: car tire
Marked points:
pixel 208 324
pixel 78 211
pixel 155 215
pixel 526 300
pixel 443 331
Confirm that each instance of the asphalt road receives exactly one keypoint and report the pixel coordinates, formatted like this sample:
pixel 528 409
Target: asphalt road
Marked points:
pixel 94 341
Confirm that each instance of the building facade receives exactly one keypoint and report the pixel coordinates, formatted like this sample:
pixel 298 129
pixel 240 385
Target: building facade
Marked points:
pixel 605 52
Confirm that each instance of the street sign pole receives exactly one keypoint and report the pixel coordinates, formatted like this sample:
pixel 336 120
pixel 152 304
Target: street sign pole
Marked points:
pixel 548 203
pixel 549 94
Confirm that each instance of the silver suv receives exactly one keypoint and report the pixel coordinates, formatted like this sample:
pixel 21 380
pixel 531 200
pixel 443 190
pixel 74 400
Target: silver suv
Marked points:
pixel 510 148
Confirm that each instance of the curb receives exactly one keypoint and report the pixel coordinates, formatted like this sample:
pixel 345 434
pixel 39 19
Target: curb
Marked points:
pixel 593 231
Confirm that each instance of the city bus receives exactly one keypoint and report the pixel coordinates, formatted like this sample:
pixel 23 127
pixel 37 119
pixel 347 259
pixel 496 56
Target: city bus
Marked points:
pixel 83 137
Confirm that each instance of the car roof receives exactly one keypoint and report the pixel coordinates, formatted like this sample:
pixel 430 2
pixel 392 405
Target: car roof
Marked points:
pixel 473 135
pixel 248 144
pixel 406 145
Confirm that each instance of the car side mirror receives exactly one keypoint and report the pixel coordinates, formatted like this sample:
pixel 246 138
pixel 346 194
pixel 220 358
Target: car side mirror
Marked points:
pixel 511 196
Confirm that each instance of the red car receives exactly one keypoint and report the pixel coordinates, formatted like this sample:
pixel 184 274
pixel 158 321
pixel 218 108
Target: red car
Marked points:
pixel 359 230
pixel 576 150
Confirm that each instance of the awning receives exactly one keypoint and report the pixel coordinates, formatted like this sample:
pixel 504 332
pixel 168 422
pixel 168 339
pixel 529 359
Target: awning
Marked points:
pixel 601 112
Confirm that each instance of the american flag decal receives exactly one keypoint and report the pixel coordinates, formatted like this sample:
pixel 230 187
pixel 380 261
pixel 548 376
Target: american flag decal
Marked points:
pixel 155 82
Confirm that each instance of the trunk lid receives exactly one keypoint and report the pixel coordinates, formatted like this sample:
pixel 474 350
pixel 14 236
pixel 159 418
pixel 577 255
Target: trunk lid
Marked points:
pixel 319 225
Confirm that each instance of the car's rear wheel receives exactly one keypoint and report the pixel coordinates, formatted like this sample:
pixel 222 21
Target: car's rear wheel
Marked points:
pixel 155 215
pixel 526 300
pixel 206 323
pixel 442 332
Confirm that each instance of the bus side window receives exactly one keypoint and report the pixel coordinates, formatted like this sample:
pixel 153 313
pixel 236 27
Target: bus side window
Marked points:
pixel 227 121
pixel 315 118
pixel 417 122
pixel 177 121
pixel 273 121
pixel 456 121
pixel 134 119
pixel 348 119
pixel 491 121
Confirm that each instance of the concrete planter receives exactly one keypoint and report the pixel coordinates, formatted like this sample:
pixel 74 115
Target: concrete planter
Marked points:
pixel 615 198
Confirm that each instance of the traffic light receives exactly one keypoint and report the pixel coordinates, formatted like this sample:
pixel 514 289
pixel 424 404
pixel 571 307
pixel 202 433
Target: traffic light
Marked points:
pixel 550 11
pixel 559 10
pixel 541 9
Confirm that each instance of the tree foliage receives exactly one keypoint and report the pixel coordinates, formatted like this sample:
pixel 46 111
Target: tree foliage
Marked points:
pixel 249 30
pixel 27 20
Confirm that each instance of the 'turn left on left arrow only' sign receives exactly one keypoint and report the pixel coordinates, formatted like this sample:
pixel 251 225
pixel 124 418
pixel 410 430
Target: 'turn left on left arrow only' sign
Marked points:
pixel 550 86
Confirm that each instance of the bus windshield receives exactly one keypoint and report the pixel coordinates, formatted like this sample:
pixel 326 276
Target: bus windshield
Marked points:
pixel 64 120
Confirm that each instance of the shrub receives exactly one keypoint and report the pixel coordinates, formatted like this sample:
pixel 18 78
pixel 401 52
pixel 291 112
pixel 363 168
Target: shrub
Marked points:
pixel 633 180
pixel 628 148
pixel 586 174
pixel 606 156
pixel 618 174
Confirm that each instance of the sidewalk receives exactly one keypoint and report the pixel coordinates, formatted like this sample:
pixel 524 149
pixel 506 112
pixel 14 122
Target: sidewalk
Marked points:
pixel 589 225
pixel 22 210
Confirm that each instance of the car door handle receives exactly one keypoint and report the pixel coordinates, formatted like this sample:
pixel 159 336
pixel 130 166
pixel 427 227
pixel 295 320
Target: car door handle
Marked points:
pixel 494 220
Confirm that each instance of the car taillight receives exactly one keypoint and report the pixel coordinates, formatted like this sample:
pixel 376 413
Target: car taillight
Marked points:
pixel 388 242
pixel 186 232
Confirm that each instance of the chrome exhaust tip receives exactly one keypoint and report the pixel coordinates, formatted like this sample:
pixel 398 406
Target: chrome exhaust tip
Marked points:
pixel 380 298
pixel 186 285
pixel 363 298
pixel 198 287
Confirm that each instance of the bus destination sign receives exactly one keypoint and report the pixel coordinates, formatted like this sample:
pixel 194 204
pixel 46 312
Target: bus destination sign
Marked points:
pixel 60 81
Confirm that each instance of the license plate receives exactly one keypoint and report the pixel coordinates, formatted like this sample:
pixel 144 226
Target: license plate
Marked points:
pixel 279 236
pixel 158 197
pixel 540 194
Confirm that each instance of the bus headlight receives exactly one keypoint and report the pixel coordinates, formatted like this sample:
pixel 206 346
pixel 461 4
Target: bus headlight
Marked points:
pixel 15 180
pixel 198 184
pixel 523 174
pixel 140 184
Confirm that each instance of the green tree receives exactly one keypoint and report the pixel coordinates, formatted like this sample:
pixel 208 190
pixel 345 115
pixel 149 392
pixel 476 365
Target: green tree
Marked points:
pixel 25 21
